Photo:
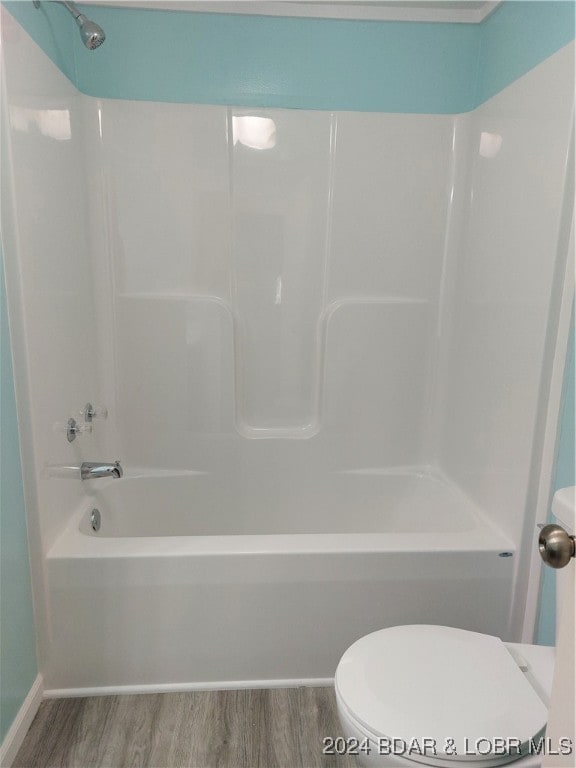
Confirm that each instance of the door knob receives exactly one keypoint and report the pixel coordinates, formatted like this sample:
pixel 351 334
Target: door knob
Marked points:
pixel 556 546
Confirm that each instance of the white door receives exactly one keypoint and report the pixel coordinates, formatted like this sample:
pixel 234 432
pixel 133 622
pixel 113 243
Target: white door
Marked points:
pixel 562 716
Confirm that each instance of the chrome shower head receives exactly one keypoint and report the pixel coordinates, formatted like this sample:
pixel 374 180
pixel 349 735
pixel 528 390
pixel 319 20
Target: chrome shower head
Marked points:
pixel 91 33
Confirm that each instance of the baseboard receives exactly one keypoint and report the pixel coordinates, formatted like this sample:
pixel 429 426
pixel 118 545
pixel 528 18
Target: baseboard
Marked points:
pixel 23 720
pixel 224 685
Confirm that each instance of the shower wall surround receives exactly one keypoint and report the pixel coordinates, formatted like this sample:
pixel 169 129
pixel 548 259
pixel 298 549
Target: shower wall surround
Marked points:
pixel 360 286
pixel 504 287
pixel 244 323
pixel 44 215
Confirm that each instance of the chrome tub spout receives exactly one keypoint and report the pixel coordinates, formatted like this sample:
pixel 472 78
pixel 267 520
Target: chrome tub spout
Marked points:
pixel 93 469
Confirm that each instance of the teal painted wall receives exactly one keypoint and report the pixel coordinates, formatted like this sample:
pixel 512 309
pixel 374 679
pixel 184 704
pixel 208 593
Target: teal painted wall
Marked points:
pixel 18 665
pixel 564 476
pixel 301 63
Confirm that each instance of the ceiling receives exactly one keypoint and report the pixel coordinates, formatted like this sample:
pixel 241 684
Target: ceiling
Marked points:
pixel 460 11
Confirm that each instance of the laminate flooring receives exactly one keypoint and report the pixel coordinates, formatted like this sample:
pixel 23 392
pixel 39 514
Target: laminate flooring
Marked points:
pixel 268 728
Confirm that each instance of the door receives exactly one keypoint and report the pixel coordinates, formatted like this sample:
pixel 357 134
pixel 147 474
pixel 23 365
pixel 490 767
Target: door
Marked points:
pixel 561 730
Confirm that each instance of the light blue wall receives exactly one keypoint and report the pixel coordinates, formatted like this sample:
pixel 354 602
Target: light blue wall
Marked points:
pixel 301 63
pixel 564 476
pixel 263 60
pixel 18 666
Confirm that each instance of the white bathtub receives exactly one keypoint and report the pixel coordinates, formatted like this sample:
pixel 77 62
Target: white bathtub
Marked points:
pixel 198 581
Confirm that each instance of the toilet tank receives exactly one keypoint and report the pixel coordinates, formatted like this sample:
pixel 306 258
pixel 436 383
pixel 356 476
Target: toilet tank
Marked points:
pixel 564 510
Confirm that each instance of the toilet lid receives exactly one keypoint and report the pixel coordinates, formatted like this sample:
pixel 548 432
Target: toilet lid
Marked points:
pixel 418 681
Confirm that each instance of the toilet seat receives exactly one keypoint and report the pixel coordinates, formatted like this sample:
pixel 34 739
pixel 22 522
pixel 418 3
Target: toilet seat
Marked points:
pixel 418 681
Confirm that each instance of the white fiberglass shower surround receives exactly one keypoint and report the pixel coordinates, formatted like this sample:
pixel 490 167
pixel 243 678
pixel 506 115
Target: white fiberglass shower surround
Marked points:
pixel 326 339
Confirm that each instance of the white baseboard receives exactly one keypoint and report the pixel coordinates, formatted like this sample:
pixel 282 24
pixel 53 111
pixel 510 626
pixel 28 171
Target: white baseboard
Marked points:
pixel 119 690
pixel 23 720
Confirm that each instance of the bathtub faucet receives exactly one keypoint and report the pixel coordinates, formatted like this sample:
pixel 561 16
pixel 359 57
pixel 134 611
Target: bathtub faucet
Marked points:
pixel 91 469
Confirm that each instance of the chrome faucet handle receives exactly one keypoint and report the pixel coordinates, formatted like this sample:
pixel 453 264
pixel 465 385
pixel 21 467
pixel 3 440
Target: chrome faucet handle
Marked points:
pixel 72 429
pixel 91 412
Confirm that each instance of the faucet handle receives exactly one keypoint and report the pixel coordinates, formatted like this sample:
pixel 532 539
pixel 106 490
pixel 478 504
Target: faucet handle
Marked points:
pixel 91 412
pixel 71 428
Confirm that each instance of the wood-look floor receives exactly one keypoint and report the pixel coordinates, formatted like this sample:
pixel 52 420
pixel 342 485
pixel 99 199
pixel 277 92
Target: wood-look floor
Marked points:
pixel 271 728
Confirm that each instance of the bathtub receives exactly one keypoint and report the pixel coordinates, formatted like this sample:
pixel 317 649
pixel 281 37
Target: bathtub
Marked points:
pixel 200 581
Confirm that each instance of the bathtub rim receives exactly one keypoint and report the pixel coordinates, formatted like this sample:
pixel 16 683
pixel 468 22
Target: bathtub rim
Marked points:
pixel 73 543
pixel 485 535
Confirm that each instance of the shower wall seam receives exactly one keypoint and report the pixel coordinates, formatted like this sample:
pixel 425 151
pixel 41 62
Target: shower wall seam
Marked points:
pixel 432 440
pixel 321 327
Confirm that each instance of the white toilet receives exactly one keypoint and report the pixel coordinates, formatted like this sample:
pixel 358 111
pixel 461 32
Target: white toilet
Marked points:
pixel 436 696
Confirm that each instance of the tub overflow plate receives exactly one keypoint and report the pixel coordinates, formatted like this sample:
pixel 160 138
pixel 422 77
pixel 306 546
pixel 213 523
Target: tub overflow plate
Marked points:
pixel 95 519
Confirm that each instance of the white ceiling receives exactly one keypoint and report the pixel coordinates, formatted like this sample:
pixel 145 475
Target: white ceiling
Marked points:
pixel 462 11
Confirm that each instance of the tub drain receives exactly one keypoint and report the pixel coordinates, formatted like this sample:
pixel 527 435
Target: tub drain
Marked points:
pixel 95 519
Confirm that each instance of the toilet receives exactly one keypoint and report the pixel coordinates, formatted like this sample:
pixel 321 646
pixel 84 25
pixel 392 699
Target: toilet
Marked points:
pixel 424 695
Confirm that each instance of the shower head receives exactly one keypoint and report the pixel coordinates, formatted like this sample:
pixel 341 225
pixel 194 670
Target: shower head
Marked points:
pixel 91 33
